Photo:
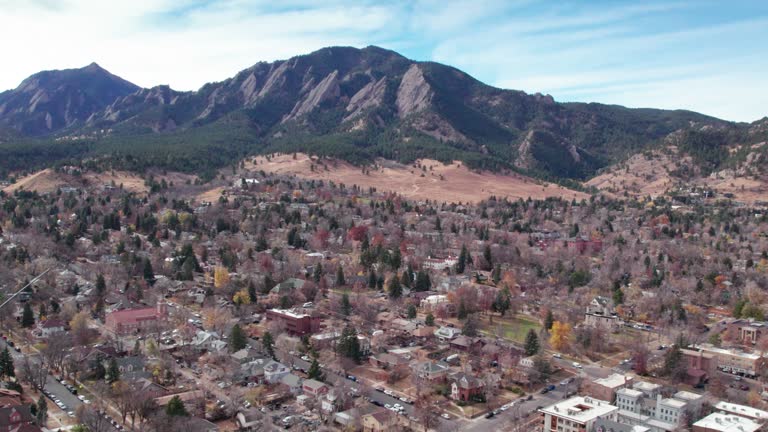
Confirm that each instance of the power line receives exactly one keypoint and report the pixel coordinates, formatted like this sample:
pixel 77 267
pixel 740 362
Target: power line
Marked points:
pixel 25 286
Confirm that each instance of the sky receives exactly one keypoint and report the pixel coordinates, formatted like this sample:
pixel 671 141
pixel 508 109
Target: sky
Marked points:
pixel 709 56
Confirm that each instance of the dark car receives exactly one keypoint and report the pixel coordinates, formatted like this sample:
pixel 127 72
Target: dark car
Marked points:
pixel 490 415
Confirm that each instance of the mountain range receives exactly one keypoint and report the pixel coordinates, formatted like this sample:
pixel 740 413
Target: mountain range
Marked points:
pixel 355 104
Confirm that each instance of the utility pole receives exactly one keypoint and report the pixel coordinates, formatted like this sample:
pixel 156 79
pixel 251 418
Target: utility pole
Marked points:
pixel 24 287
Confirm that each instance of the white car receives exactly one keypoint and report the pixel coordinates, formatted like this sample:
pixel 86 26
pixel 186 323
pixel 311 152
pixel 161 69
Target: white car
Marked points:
pixel 557 355
pixel 388 406
pixel 445 416
pixel 577 365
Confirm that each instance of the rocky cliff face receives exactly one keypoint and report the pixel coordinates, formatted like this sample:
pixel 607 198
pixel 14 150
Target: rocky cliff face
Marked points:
pixel 357 96
pixel 53 100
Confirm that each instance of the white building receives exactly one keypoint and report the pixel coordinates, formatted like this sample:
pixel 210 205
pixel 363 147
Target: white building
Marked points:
pixel 742 411
pixel 719 422
pixel 644 405
pixel 576 414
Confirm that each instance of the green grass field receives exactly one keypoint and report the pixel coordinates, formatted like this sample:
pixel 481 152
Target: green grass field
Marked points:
pixel 513 328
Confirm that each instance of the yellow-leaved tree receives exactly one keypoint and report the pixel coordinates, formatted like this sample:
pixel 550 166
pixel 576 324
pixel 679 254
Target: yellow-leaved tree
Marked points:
pixel 220 277
pixel 560 335
pixel 242 297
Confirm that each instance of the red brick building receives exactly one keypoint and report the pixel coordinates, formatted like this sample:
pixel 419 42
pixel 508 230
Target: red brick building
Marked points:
pixel 295 322
pixel 465 387
pixel 135 321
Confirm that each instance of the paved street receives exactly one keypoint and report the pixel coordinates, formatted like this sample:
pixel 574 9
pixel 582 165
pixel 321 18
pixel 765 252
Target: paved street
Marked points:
pixel 54 387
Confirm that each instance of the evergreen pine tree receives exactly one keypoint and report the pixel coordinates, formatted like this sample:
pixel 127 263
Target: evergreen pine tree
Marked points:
pixel 549 321
pixel 488 257
pixel 340 281
pixel 42 411
pixel 113 372
pixel 237 340
pixel 462 263
pixel 430 319
pixel 462 312
pixel 6 364
pixel 411 312
pixel 176 407
pixel 423 283
pixel 346 306
pixel 531 343
pixel 394 288
pixel 252 291
pixel 269 344
pixel 27 317
pixel 315 372
pixel 318 273
pixel 372 279
pixel 149 274
pixel 101 285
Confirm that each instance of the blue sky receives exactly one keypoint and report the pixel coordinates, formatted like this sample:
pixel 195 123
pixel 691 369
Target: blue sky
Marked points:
pixel 704 55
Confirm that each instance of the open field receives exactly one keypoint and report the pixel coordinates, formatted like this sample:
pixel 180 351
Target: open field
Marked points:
pixel 48 180
pixel 448 183
pixel 514 328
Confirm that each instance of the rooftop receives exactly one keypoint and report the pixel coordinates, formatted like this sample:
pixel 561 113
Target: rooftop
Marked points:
pixel 289 313
pixel 687 396
pixel 580 409
pixel 645 387
pixel 613 381
pixel 742 410
pixel 714 349
pixel 629 392
pixel 727 423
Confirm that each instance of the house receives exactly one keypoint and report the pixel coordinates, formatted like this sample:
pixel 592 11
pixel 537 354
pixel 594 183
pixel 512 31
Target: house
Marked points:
pixel 297 323
pixel 430 302
pixel 207 341
pixel 584 244
pixel 466 344
pixel 51 326
pixel 600 313
pixel 389 361
pixel 131 367
pixel 447 333
pixel 249 420
pixel 578 413
pixel 243 356
pixel 432 371
pixel 275 371
pixel 440 264
pixel 136 321
pixel 314 388
pixel 293 383
pixel 329 401
pixel 14 417
pixel 466 387
pixel 379 421
pixel 197 424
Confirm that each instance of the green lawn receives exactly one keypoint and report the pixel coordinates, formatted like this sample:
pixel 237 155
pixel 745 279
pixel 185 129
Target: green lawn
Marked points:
pixel 514 328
